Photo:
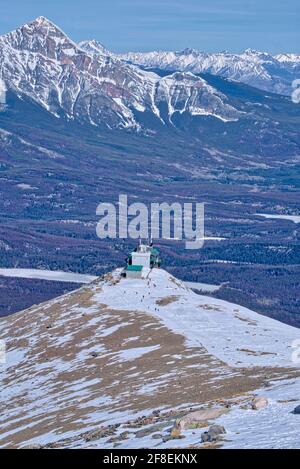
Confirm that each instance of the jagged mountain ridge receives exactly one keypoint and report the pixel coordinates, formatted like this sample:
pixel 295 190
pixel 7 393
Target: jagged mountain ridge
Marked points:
pixel 93 47
pixel 39 61
pixel 83 368
pixel 258 69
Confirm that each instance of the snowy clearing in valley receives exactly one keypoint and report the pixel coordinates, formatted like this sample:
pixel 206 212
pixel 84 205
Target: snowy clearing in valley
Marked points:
pixel 294 218
pixel 56 276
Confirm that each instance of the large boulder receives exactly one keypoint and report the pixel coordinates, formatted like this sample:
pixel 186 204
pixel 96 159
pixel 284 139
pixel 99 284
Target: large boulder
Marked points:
pixel 213 434
pixel 259 403
pixel 101 432
pixel 207 437
pixel 217 429
pixel 197 418
pixel 296 410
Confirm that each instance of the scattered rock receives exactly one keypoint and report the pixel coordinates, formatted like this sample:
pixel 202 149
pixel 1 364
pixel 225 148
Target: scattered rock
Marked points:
pixel 113 439
pixel 102 432
pixel 154 418
pixel 195 419
pixel 143 432
pixel 170 437
pixel 217 429
pixel 200 424
pixel 213 434
pixel 259 403
pixel 117 438
pixel 209 437
pixel 141 421
pixel 157 436
pixel 148 431
pixel 53 445
pixel 33 446
pixel 175 433
pixel 296 410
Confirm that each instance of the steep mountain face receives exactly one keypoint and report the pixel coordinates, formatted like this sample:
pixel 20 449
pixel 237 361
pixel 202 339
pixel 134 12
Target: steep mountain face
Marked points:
pixel 119 360
pixel 93 47
pixel 258 69
pixel 39 61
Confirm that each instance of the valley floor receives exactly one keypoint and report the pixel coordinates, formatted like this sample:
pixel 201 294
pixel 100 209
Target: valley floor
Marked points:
pixel 51 275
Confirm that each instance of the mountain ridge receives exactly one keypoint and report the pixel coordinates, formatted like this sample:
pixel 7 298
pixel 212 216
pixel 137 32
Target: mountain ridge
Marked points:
pixel 40 61
pixel 255 68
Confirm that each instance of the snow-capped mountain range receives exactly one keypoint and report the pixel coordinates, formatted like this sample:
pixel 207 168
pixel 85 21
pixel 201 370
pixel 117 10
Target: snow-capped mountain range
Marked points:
pixel 254 68
pixel 85 83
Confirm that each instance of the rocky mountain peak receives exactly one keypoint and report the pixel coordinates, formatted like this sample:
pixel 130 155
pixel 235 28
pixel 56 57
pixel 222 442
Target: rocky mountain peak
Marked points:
pixel 40 36
pixel 93 47
pixel 85 82
pixel 189 51
pixel 255 68
pixel 42 20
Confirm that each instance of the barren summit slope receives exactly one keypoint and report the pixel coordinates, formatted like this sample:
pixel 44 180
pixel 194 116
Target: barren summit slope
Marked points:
pixel 119 349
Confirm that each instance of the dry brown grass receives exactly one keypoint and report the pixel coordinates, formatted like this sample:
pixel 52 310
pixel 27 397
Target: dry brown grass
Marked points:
pixel 167 300
pixel 210 308
pixel 254 353
pixel 250 322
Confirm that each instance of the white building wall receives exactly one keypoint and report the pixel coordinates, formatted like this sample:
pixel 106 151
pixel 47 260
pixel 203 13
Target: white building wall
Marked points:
pixel 141 258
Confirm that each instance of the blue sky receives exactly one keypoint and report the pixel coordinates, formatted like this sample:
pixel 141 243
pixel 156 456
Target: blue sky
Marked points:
pixel 209 25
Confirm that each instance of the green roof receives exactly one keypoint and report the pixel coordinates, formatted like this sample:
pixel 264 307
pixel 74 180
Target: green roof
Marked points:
pixel 154 251
pixel 134 268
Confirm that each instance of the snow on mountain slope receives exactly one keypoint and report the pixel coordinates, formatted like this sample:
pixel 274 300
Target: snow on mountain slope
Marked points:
pixel 291 62
pixel 258 69
pixel 83 82
pixel 59 276
pixel 83 369
pixel 184 92
pixel 266 342
pixel 93 47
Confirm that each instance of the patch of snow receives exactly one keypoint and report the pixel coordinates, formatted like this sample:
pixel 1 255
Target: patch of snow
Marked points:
pixel 274 427
pixel 257 340
pixel 294 218
pixel 26 186
pixel 57 276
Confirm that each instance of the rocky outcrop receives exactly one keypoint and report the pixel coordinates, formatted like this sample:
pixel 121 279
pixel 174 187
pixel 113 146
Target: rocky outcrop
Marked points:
pixel 259 403
pixel 213 434
pixel 297 410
